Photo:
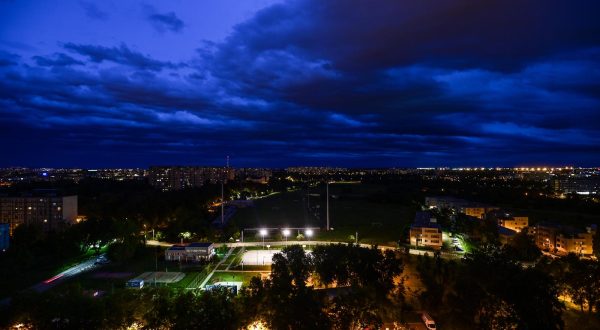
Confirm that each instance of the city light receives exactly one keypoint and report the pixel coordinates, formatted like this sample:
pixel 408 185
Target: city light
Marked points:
pixel 309 232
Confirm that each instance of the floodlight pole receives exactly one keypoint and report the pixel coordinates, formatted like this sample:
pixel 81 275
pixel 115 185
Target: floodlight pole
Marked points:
pixel 327 193
pixel 222 202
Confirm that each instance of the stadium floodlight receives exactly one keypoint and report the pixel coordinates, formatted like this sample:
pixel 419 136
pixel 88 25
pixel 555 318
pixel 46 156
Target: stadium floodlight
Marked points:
pixel 263 233
pixel 286 233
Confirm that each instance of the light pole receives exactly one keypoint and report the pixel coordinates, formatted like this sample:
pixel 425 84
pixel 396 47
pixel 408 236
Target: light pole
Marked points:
pixel 286 233
pixel 263 233
pixel 327 192
pixel 309 233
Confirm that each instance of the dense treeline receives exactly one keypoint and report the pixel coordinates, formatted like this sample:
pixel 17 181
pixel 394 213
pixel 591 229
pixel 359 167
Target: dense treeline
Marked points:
pixel 492 289
pixel 365 293
pixel 340 287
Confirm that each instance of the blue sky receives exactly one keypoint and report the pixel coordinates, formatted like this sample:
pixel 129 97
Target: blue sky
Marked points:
pixel 285 83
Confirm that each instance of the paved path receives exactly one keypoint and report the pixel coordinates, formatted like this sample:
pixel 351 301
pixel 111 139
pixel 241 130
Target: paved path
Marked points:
pixel 217 266
pixel 232 260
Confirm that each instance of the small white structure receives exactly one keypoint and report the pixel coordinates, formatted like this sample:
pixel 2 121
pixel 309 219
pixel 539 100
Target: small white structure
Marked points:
pixel 190 252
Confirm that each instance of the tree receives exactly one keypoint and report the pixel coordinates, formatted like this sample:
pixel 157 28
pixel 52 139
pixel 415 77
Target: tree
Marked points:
pixel 582 279
pixel 290 304
pixel 491 276
pixel 523 248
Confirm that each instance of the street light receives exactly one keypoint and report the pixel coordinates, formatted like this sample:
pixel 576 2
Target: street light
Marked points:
pixel 286 233
pixel 263 233
pixel 309 232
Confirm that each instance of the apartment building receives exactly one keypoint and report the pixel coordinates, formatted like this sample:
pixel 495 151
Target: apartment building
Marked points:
pixel 564 239
pixel 510 221
pixel 473 209
pixel 45 208
pixel 425 231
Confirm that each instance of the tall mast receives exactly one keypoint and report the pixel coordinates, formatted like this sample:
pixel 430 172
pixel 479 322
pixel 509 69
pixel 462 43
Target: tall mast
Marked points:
pixel 328 205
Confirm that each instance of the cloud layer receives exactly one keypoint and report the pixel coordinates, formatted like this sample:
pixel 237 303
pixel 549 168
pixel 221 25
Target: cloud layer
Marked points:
pixel 347 83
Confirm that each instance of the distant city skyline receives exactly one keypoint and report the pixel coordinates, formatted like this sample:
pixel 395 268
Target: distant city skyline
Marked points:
pixel 276 83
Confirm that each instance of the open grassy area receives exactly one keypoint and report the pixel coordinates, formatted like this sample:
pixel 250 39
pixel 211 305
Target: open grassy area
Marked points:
pixel 190 278
pixel 353 208
pixel 279 210
pixel 147 259
pixel 16 281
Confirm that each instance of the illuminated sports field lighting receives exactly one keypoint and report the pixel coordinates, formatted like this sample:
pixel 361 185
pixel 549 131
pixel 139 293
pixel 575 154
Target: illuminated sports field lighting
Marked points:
pixel 309 232
pixel 263 232
pixel 286 232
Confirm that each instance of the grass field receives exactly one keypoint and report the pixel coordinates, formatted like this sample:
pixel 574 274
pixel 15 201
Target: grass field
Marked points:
pixel 148 259
pixel 352 209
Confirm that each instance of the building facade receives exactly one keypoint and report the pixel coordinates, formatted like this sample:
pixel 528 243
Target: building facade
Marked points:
pixel 473 209
pixel 563 239
pixel 510 221
pixel 47 210
pixel 190 252
pixel 169 178
pixel 425 231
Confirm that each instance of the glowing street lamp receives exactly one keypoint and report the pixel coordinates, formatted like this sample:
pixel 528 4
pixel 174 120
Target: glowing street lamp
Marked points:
pixel 286 233
pixel 309 233
pixel 263 233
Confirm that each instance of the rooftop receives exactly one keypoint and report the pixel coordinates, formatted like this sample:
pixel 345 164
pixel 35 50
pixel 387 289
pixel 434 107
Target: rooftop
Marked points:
pixel 200 244
pixel 424 219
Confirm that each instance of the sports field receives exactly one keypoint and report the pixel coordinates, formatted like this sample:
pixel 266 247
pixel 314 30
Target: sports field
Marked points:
pixel 258 257
pixel 161 277
pixel 353 208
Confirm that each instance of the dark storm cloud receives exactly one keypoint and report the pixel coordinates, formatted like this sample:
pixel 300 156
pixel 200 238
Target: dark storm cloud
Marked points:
pixel 351 83
pixel 122 55
pixel 93 11
pixel 168 21
pixel 7 59
pixel 58 59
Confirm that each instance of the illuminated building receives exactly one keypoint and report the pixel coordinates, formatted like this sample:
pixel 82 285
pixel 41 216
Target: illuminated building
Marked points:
pixel 473 209
pixel 190 252
pixel 425 231
pixel 169 178
pixel 44 208
pixel 512 222
pixel 563 239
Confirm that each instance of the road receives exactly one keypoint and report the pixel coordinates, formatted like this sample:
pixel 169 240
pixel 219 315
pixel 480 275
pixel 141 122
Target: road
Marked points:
pixel 60 278
pixel 277 243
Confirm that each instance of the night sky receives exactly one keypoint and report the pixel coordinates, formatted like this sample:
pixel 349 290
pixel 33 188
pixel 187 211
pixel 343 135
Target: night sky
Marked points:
pixel 290 83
